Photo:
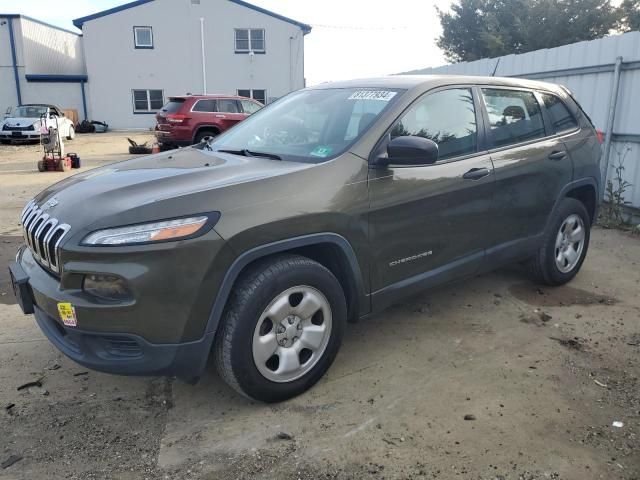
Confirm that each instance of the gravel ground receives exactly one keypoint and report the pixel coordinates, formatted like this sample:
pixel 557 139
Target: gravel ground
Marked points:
pixel 489 378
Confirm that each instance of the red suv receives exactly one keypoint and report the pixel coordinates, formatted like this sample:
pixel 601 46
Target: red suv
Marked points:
pixel 187 120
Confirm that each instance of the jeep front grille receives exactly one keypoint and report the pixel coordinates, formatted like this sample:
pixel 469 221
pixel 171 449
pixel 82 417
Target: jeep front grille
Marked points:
pixel 43 235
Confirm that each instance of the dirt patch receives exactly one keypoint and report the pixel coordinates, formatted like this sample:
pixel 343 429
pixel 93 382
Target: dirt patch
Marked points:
pixel 538 318
pixel 8 247
pixel 571 343
pixel 562 296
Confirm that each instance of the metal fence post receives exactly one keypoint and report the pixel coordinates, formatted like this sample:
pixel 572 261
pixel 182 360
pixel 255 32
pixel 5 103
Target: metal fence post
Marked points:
pixel 613 100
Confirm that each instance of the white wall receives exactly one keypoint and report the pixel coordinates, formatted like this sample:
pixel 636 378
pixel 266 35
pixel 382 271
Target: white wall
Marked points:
pixel 44 50
pixel 115 67
pixel 47 50
pixel 8 96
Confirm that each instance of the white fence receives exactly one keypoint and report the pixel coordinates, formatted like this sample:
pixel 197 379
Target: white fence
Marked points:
pixel 588 69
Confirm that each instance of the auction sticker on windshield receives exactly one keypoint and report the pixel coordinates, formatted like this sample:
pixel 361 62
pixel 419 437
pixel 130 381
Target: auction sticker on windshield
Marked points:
pixel 67 314
pixel 381 95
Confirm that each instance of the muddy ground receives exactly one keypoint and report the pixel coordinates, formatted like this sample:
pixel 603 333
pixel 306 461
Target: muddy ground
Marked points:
pixel 540 375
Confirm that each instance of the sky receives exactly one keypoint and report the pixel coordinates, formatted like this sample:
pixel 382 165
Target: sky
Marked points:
pixel 350 38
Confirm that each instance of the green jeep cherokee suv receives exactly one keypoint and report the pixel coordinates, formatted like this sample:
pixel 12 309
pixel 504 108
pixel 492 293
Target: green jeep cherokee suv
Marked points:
pixel 332 203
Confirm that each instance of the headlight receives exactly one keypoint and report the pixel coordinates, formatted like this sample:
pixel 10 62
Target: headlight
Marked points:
pixel 151 232
pixel 32 126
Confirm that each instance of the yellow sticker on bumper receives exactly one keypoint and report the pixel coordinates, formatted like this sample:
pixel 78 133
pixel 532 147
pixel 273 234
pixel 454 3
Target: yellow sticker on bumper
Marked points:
pixel 67 314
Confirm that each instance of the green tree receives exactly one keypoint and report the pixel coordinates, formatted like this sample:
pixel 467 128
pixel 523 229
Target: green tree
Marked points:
pixel 629 15
pixel 476 29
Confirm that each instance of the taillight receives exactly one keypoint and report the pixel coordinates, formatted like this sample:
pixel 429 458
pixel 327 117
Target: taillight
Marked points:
pixel 600 135
pixel 176 118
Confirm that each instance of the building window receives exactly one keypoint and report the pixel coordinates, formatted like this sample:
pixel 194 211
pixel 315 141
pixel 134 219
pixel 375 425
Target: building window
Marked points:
pixel 250 40
pixel 143 37
pixel 147 101
pixel 259 95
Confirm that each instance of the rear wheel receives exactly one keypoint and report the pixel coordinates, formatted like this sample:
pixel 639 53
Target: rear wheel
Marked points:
pixel 282 328
pixel 202 134
pixel 41 167
pixel 565 244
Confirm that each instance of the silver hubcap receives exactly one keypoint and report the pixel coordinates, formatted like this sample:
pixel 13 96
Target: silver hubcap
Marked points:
pixel 292 334
pixel 569 243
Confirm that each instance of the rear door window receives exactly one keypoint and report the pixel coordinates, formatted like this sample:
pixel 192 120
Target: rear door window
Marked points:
pixel 447 117
pixel 228 106
pixel 514 116
pixel 561 117
pixel 249 107
pixel 207 106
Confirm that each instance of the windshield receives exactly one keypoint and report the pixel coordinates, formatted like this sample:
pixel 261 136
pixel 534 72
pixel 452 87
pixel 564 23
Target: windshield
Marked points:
pixel 307 126
pixel 29 111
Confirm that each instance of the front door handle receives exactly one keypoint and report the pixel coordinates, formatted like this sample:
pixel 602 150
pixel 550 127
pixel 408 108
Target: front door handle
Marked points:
pixel 557 155
pixel 476 174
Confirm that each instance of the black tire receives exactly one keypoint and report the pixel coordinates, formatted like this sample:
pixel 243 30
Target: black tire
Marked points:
pixel 250 296
pixel 72 133
pixel 139 150
pixel 543 265
pixel 202 134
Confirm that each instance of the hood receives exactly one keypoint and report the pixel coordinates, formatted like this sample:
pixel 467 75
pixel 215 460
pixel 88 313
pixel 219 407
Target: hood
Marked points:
pixel 169 184
pixel 20 121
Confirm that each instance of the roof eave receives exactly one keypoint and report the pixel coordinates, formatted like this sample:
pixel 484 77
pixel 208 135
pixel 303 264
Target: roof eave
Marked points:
pixel 78 22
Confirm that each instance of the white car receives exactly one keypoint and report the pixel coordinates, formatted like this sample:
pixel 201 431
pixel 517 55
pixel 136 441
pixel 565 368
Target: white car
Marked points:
pixel 25 123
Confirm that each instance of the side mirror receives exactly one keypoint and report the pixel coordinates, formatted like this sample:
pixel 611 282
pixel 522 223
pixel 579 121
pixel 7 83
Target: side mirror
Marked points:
pixel 412 150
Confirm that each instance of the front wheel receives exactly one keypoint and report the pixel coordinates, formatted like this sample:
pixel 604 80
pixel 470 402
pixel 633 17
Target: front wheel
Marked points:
pixel 565 244
pixel 282 328
pixel 71 133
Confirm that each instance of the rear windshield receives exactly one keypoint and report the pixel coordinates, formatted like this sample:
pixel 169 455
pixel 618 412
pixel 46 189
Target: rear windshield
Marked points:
pixel 173 106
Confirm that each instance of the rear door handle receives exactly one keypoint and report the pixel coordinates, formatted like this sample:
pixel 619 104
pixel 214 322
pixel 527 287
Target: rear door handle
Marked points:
pixel 476 173
pixel 221 116
pixel 557 155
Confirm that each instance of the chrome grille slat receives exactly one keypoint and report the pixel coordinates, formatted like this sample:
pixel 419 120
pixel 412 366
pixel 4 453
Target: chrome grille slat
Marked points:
pixel 40 230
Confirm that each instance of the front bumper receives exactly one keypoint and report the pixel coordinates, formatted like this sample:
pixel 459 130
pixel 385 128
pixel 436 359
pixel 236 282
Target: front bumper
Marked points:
pixel 21 136
pixel 126 354
pixel 153 335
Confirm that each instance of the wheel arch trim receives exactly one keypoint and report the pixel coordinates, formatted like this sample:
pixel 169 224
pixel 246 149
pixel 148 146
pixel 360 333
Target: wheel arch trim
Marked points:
pixel 587 181
pixel 206 126
pixel 280 246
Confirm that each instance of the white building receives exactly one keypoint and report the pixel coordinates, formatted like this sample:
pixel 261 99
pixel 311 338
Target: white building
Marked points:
pixel 39 63
pixel 130 59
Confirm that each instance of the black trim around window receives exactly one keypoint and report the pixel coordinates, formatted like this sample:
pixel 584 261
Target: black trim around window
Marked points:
pixel 249 50
pixel 135 40
pixel 481 128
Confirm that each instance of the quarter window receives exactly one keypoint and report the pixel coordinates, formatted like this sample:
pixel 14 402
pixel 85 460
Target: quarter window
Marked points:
pixel 514 116
pixel 561 117
pixel 143 37
pixel 249 107
pixel 147 101
pixel 250 40
pixel 447 117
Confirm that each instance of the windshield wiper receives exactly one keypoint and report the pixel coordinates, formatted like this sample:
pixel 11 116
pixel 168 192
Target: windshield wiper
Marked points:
pixel 249 153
